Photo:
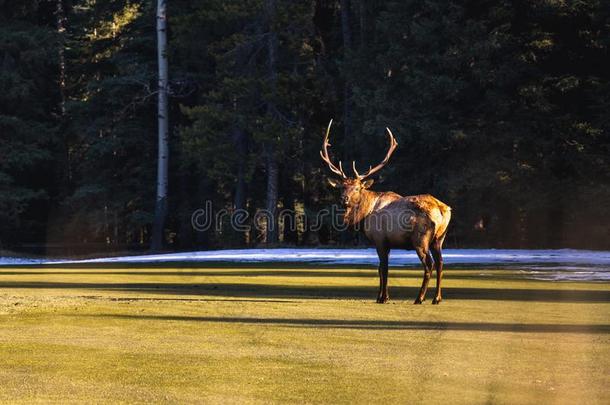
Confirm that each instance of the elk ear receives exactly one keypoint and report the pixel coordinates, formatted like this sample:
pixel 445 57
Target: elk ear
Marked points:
pixel 368 183
pixel 335 183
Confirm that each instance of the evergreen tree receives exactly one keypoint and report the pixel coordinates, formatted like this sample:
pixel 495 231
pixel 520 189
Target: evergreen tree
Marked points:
pixel 30 108
pixel 499 108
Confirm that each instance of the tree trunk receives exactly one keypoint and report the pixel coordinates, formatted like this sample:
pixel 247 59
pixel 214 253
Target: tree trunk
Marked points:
pixel 240 140
pixel 272 193
pixel 61 31
pixel 349 143
pixel 60 15
pixel 287 216
pixel 362 24
pixel 270 155
pixel 185 208
pixel 162 113
pixel 347 86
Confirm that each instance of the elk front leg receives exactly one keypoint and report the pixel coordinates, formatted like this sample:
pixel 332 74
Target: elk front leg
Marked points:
pixel 383 295
pixel 380 284
pixel 426 260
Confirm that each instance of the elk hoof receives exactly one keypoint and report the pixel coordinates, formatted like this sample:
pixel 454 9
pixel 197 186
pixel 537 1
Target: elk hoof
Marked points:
pixel 418 301
pixel 382 300
pixel 437 300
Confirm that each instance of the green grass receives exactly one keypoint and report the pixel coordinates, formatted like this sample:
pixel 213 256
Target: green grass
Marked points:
pixel 285 335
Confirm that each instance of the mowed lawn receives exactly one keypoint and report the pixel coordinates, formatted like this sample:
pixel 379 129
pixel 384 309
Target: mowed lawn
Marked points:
pixel 304 334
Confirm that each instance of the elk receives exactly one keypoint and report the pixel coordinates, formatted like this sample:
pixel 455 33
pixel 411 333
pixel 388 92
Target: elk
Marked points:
pixel 391 221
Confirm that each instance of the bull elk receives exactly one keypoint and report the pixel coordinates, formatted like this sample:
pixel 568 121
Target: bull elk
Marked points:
pixel 392 221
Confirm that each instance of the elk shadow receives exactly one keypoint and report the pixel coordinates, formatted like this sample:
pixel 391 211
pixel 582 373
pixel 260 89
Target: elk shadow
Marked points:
pixel 378 324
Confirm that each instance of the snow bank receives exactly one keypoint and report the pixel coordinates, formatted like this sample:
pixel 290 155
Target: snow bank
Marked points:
pixel 563 264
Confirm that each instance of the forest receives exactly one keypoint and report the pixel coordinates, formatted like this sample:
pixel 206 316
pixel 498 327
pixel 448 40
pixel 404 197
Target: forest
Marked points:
pixel 500 109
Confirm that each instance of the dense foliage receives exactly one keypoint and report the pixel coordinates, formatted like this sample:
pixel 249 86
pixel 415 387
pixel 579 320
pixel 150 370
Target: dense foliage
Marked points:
pixel 500 109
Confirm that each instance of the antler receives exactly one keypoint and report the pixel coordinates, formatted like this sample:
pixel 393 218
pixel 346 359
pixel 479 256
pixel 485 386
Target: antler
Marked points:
pixel 326 158
pixel 372 170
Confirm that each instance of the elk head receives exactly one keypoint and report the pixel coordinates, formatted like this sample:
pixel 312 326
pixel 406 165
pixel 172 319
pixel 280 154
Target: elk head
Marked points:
pixel 352 187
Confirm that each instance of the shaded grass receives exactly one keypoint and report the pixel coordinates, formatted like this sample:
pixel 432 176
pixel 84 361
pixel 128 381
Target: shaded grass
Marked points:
pixel 257 290
pixel 389 325
pixel 289 335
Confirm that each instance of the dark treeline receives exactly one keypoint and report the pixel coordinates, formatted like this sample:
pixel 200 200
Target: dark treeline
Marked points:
pixel 500 108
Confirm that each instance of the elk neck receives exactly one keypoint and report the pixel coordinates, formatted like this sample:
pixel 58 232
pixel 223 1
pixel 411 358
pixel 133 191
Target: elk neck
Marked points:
pixel 364 208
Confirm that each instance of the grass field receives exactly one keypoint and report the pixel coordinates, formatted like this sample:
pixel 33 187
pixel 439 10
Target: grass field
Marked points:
pixel 300 334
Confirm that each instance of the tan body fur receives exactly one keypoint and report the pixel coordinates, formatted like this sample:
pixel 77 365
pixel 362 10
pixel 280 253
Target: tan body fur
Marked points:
pixel 430 218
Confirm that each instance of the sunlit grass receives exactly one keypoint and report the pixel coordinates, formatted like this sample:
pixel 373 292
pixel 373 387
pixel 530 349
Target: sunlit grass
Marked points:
pixel 257 335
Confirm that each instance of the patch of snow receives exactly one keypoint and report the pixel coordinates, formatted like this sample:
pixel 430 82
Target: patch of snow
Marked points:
pixel 18 261
pixel 559 264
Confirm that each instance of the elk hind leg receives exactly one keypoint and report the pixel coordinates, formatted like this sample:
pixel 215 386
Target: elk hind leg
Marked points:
pixel 438 266
pixel 437 253
pixel 426 259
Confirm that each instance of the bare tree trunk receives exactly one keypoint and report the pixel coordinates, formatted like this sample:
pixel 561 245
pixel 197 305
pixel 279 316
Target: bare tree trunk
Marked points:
pixel 347 87
pixel 345 26
pixel 272 193
pixel 60 15
pixel 240 140
pixel 163 157
pixel 61 31
pixel 270 155
pixel 349 143
pixel 362 24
